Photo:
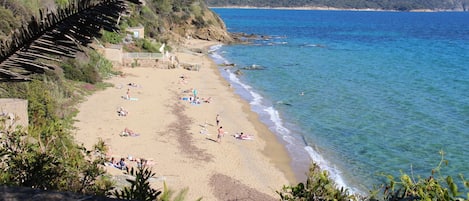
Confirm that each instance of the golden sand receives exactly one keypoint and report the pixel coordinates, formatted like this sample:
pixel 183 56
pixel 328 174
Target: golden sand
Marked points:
pixel 179 138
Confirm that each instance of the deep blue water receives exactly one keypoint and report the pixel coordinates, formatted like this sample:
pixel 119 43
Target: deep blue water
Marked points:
pixel 383 91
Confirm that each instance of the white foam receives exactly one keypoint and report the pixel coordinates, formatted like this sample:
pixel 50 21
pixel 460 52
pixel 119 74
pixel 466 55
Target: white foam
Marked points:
pixel 275 118
pixel 334 172
pixel 214 48
pixel 256 98
pixel 214 54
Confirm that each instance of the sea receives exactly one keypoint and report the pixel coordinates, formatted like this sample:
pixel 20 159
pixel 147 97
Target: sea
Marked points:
pixel 363 94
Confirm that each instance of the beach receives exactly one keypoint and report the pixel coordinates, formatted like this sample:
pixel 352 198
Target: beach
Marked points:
pixel 179 138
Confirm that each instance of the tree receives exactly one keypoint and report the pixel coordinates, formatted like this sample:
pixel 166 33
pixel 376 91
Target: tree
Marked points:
pixel 57 34
pixel 48 161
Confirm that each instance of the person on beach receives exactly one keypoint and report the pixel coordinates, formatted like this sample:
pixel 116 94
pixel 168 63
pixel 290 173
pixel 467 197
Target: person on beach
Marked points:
pixel 112 161
pixel 121 165
pixel 207 100
pixel 183 80
pixel 128 132
pixel 241 135
pixel 220 134
pixel 122 112
pixel 195 93
pixel 133 84
pixel 128 94
pixel 217 119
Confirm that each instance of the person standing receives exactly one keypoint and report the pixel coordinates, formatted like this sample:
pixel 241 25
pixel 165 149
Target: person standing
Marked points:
pixel 220 134
pixel 217 119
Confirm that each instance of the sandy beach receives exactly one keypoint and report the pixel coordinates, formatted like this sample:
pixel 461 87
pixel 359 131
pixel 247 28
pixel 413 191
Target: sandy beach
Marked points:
pixel 179 139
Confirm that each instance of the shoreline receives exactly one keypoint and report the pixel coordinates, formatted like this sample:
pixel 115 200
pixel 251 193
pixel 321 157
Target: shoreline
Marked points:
pixel 171 137
pixel 319 8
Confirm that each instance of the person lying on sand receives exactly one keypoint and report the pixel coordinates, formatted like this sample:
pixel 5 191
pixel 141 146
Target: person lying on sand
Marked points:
pixel 243 136
pixel 119 165
pixel 122 112
pixel 187 91
pixel 207 100
pixel 128 132
pixel 183 80
pixel 112 162
pixel 133 84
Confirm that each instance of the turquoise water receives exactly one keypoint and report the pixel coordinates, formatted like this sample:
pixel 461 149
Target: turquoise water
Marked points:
pixel 360 93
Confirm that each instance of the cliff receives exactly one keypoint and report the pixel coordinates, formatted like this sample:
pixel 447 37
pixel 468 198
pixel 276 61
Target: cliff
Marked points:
pixel 172 21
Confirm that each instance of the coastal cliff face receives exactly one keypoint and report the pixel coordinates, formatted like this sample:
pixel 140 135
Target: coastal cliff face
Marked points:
pixel 207 27
pixel 174 21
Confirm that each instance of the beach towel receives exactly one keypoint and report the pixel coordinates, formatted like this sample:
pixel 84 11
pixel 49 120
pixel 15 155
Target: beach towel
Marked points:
pixel 246 137
pixel 131 99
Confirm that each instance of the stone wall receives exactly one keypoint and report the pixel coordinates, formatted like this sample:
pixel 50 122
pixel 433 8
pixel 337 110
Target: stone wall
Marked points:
pixel 114 54
pixel 14 111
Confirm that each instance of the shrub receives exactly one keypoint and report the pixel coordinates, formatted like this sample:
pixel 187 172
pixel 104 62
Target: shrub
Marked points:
pixel 62 3
pixel 91 68
pixel 47 158
pixel 140 188
pixel 433 187
pixel 404 188
pixel 111 37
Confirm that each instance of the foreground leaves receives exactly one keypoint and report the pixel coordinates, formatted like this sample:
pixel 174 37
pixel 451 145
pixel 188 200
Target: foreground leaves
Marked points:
pixel 139 188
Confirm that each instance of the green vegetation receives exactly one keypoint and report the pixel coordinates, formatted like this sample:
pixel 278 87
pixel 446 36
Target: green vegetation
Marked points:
pixel 12 14
pixel 61 3
pixel 140 188
pixel 112 37
pixel 8 22
pixel 318 187
pixel 88 68
pixel 402 5
pixel 143 45
pixel 163 19
pixel 435 187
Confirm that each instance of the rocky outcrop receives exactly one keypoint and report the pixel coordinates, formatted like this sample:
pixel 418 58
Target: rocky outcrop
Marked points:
pixel 216 29
pixel 205 26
